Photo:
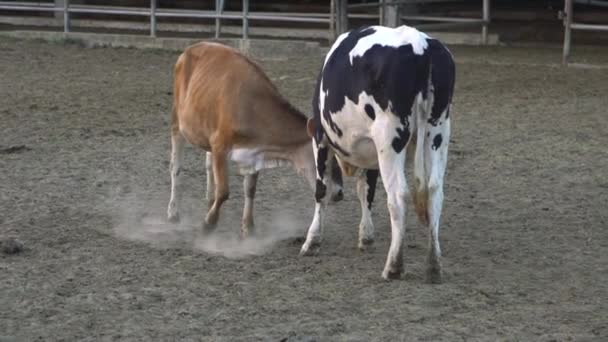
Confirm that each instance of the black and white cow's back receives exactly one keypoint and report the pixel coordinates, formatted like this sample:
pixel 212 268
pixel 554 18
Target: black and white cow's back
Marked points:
pixel 379 90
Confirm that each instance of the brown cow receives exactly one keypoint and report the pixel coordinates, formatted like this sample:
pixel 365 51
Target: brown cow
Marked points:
pixel 225 104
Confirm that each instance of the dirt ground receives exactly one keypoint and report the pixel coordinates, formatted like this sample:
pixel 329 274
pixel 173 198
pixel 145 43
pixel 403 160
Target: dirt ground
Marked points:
pixel 84 184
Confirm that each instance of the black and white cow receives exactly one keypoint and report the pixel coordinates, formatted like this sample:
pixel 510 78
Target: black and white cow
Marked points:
pixel 383 91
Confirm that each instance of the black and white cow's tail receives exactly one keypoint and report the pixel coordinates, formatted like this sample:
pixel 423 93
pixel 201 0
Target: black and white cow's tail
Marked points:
pixel 432 112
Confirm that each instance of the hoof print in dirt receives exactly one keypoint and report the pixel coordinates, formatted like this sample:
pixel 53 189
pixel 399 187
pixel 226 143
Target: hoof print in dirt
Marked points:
pixel 293 337
pixel 11 246
pixel 14 149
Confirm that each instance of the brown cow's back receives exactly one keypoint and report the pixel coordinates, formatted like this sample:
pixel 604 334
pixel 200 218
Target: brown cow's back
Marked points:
pixel 222 100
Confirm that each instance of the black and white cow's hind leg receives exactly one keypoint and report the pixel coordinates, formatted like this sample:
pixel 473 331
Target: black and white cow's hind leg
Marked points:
pixel 436 155
pixel 366 188
pixel 249 187
pixel 391 159
pixel 429 169
pixel 324 162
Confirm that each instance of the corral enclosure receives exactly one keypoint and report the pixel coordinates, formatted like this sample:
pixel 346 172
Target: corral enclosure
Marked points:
pixel 84 183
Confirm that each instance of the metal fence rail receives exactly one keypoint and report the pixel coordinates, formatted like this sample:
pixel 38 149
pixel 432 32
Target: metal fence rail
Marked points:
pixel 569 25
pixel 444 22
pixel 154 12
pixel 336 20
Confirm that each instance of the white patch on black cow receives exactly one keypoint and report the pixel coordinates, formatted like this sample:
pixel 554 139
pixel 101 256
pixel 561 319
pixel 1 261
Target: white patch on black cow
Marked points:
pixel 385 36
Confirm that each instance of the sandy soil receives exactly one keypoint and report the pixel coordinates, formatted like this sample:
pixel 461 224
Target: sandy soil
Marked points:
pixel 84 185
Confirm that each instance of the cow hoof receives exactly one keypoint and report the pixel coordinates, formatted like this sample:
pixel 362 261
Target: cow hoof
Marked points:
pixel 366 244
pixel 434 275
pixel 246 232
pixel 208 228
pixel 391 275
pixel 312 248
pixel 392 272
pixel 173 218
pixel 338 196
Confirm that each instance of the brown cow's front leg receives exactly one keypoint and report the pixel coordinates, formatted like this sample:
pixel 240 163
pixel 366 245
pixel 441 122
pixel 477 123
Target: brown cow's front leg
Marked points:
pixel 249 187
pixel 177 157
pixel 336 176
pixel 220 175
pixel 366 189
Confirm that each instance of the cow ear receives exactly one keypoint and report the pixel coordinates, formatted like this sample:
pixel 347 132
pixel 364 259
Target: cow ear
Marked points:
pixel 310 127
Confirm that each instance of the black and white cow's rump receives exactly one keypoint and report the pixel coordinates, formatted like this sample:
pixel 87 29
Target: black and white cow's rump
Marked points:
pixel 381 92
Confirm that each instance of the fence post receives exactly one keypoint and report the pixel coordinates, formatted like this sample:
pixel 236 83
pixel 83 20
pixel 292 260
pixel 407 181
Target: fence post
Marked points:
pixel 390 14
pixel 66 16
pixel 567 18
pixel 486 21
pixel 245 19
pixel 219 9
pixel 58 15
pixel 342 15
pixel 152 18
pixel 332 21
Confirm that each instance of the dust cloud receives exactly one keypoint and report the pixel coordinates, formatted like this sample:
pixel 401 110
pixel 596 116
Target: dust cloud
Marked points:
pixel 144 220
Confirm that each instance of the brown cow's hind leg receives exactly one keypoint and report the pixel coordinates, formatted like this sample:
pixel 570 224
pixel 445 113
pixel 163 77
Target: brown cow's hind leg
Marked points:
pixel 220 175
pixel 210 181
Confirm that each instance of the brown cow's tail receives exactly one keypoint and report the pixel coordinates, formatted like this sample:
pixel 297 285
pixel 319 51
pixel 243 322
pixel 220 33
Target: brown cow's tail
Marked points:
pixel 177 74
pixel 174 119
pixel 180 84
